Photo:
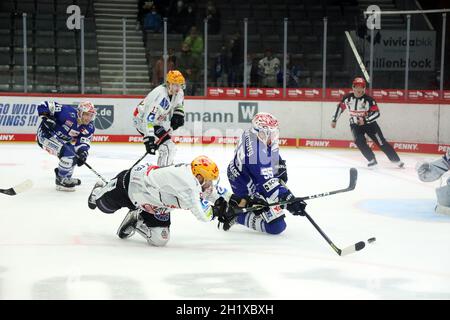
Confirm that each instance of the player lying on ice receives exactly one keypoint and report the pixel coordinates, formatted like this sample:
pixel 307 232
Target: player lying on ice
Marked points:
pixel 66 132
pixel 257 175
pixel 431 171
pixel 152 192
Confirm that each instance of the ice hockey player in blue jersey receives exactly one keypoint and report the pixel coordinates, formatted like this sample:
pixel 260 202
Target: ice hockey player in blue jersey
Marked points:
pixel 66 132
pixel 254 175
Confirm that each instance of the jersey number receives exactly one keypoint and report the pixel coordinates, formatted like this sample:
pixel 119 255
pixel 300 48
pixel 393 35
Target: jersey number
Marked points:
pixel 267 173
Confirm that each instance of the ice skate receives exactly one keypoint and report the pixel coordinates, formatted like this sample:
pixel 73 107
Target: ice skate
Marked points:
pixel 128 225
pixel 372 163
pixel 92 197
pixel 66 184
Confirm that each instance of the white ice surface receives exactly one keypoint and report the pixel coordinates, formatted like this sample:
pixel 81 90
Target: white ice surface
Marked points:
pixel 53 247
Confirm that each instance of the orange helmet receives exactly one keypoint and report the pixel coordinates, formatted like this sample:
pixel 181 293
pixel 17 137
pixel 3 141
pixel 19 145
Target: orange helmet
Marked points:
pixel 175 77
pixel 359 82
pixel 205 167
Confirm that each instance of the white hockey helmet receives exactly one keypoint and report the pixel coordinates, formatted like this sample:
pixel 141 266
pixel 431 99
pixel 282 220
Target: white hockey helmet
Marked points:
pixel 86 112
pixel 265 126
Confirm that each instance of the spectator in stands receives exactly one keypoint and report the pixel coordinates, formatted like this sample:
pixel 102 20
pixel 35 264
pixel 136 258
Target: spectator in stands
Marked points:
pixel 144 7
pixel 177 17
pixel 222 67
pixel 237 59
pixel 190 18
pixel 162 7
pixel 213 16
pixel 195 42
pixel 292 74
pixel 153 21
pixel 189 65
pixel 158 69
pixel 269 67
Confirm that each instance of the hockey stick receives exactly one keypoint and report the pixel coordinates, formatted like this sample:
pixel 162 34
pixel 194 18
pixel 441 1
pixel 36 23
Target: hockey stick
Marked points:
pixel 342 252
pixel 21 187
pixel 158 143
pixel 95 172
pixel 351 186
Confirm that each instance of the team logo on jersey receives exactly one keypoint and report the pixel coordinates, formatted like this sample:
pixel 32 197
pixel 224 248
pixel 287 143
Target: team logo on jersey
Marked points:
pixel 164 104
pixel 84 131
pixel 151 117
pixel 105 116
pixel 162 215
pixel 205 204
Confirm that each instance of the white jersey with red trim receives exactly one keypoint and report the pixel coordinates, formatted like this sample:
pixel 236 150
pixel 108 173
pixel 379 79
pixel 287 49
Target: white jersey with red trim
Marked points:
pixel 363 107
pixel 157 109
pixel 160 190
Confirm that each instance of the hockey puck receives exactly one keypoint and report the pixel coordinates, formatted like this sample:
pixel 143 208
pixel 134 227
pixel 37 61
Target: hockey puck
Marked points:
pixel 371 240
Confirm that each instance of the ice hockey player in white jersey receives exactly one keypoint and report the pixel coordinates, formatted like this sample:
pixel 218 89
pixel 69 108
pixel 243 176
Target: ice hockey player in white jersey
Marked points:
pixel 152 192
pixel 432 171
pixel 162 109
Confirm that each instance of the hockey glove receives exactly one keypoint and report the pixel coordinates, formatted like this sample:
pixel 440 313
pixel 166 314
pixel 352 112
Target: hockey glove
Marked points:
pixel 423 168
pixel 282 170
pixel 161 133
pixel 49 123
pixel 224 213
pixel 81 157
pixel 150 145
pixel 251 202
pixel 177 119
pixel 297 208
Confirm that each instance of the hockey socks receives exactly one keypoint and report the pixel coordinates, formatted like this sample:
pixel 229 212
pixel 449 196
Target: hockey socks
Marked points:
pixel 257 222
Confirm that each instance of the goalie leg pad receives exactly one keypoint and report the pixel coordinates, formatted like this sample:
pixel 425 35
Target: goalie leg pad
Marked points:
pixel 166 153
pixel 443 196
pixel 442 210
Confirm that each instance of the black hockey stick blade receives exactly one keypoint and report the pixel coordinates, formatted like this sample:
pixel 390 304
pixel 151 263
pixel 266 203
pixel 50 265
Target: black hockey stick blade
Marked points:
pixel 353 248
pixel 353 178
pixel 21 187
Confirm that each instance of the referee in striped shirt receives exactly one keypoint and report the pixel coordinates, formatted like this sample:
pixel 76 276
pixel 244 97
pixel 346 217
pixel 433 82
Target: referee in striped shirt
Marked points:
pixel 363 112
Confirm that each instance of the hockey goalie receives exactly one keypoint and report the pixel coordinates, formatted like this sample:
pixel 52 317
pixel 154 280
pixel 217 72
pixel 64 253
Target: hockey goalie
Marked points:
pixel 432 171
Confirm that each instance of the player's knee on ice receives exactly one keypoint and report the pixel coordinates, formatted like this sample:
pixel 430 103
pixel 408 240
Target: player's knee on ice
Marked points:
pixel 157 236
pixel 276 227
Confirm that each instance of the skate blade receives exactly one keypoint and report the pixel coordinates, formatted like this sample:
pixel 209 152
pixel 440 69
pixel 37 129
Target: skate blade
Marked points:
pixel 65 189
